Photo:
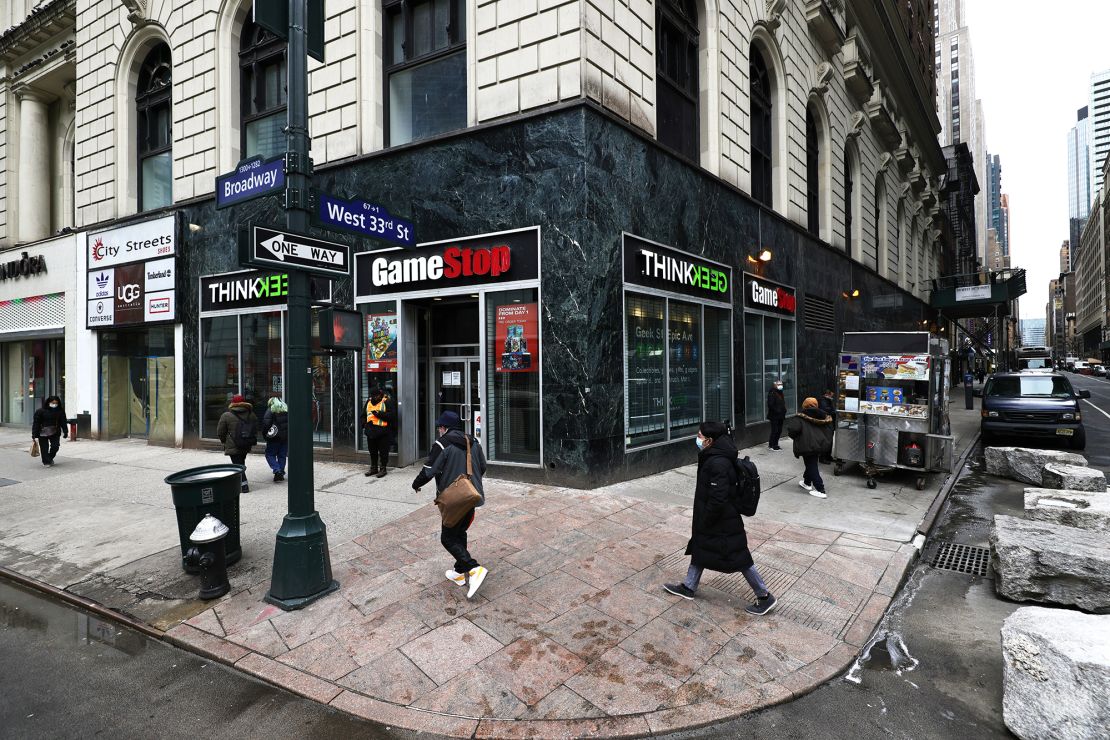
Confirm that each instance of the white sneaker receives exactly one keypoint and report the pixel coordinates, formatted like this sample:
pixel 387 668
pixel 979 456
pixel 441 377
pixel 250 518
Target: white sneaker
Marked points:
pixel 817 494
pixel 805 485
pixel 477 575
pixel 459 578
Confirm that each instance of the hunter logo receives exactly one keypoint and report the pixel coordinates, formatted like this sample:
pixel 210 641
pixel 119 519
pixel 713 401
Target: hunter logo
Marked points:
pixel 159 305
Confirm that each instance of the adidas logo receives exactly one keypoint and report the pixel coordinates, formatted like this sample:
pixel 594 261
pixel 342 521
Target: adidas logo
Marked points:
pixel 102 280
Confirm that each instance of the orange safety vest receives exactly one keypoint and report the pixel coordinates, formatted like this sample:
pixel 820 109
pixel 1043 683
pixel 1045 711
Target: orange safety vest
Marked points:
pixel 372 412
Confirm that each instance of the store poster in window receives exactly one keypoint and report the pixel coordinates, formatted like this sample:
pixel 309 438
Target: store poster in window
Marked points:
pixel 518 338
pixel 381 343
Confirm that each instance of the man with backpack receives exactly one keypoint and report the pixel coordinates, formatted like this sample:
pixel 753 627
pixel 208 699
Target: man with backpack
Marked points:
pixel 717 539
pixel 238 431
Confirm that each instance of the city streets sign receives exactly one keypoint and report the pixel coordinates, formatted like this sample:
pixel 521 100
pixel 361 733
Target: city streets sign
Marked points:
pixel 132 274
pixel 651 265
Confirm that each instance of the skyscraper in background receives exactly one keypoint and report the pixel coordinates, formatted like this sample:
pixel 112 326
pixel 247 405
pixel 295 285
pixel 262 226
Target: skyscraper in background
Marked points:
pixel 998 204
pixel 960 111
pixel 1099 141
pixel 1079 175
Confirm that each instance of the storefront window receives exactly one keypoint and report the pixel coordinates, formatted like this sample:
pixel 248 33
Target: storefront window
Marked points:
pixel 786 366
pixel 321 389
pixel 137 384
pixel 219 369
pixel 644 391
pixel 512 431
pixel 755 395
pixel 769 350
pixel 718 364
pixel 262 358
pixel 684 347
pixel 378 362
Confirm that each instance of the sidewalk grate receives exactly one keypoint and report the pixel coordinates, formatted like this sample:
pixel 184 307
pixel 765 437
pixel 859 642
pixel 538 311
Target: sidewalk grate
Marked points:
pixel 962 558
pixel 7 482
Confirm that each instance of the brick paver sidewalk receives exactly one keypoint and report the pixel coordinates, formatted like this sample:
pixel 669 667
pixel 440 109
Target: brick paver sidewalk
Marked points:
pixel 572 633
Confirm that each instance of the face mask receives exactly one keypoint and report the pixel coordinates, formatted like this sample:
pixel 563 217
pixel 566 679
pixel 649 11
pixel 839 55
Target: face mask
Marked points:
pixel 698 442
pixel 53 405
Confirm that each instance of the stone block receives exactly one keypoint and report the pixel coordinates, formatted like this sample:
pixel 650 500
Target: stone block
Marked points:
pixel 1025 464
pixel 1055 674
pixel 1073 478
pixel 1050 563
pixel 1083 509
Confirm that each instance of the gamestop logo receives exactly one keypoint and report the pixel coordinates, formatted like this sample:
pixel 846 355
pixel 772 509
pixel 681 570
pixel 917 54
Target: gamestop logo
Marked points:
pixel 451 264
pixel 772 296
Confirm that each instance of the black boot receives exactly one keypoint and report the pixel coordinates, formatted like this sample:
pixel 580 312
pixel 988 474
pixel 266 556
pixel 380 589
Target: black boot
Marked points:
pixel 371 471
pixel 381 473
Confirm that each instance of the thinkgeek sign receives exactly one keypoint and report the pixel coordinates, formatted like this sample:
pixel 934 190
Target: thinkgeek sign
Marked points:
pixel 763 295
pixel 652 265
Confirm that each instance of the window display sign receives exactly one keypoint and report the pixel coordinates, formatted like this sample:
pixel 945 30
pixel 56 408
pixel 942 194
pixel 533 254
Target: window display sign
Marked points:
pixel 902 367
pixel 494 258
pixel 653 265
pixel 381 343
pixel 761 294
pixel 518 338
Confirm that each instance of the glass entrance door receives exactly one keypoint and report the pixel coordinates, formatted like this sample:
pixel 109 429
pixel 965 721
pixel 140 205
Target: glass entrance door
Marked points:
pixel 138 406
pixel 456 384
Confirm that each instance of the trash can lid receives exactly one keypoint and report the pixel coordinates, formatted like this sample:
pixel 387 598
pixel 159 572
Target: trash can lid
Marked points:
pixel 203 474
pixel 210 529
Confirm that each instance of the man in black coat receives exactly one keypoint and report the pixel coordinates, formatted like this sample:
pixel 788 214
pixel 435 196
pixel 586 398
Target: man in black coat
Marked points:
pixel 47 427
pixel 717 539
pixel 776 412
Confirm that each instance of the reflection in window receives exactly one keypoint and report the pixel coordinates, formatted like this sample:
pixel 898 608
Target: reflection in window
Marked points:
pixel 153 102
pixel 219 368
pixel 262 359
pixel 378 361
pixel 813 170
pixel 684 346
pixel 761 138
pixel 321 387
pixel 262 89
pixel 755 393
pixel 644 390
pixel 512 431
pixel 769 352
pixel 676 64
pixel 425 68
pixel 718 364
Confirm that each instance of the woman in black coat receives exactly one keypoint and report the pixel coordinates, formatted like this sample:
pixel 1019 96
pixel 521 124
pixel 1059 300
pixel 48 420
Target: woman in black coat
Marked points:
pixel 718 540
pixel 48 425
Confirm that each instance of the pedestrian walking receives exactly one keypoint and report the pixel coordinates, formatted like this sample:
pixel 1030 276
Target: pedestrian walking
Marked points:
pixel 717 537
pixel 275 430
pixel 827 403
pixel 776 412
pixel 238 431
pixel 812 432
pixel 446 462
pixel 378 425
pixel 48 427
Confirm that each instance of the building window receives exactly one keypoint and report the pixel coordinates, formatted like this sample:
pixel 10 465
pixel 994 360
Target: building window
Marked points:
pixel 813 169
pixel 425 68
pixel 761 124
pixel 153 104
pixel 676 64
pixel 880 219
pixel 849 203
pixel 512 429
pixel 769 344
pixel 264 97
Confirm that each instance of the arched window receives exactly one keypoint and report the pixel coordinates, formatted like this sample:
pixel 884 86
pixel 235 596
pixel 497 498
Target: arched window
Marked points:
pixel 153 107
pixel 850 197
pixel 424 56
pixel 813 173
pixel 676 65
pixel 761 128
pixel 894 263
pixel 262 87
pixel 880 222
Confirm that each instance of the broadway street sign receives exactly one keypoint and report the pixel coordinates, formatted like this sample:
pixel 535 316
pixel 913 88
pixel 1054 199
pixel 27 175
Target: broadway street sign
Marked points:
pixel 272 249
pixel 253 178
pixel 364 219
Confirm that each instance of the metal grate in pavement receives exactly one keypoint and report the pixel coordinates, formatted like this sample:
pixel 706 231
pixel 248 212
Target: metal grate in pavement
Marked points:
pixel 7 482
pixel 810 611
pixel 962 558
pixel 734 583
pixel 674 560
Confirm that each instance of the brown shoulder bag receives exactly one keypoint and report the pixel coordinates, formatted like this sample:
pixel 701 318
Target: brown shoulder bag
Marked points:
pixel 459 498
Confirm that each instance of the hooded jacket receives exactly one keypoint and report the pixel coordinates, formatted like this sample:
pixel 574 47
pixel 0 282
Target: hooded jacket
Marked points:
pixel 228 427
pixel 776 404
pixel 717 537
pixel 812 432
pixel 276 414
pixel 46 417
pixel 447 461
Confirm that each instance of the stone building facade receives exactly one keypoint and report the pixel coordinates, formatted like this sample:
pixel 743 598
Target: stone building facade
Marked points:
pixel 793 143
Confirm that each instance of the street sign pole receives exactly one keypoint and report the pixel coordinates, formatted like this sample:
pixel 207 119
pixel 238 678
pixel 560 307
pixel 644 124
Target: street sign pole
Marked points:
pixel 302 563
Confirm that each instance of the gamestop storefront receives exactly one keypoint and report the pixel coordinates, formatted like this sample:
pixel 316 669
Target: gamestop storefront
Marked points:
pixel 455 326
pixel 770 345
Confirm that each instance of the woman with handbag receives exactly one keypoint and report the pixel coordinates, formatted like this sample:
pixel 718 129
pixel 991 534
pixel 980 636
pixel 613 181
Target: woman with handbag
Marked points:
pixel 47 427
pixel 275 430
pixel 457 464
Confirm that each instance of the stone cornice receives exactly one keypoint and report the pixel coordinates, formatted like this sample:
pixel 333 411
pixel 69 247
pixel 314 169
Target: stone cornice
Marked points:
pixel 45 22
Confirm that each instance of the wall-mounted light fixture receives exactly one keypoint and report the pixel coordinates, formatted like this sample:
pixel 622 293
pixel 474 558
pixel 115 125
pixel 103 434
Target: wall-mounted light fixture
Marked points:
pixel 763 256
pixel 850 294
pixel 194 228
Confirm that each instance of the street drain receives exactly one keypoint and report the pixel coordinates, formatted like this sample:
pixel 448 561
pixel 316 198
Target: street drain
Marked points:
pixel 962 558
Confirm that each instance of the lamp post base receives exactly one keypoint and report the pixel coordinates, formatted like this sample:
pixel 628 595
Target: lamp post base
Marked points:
pixel 302 563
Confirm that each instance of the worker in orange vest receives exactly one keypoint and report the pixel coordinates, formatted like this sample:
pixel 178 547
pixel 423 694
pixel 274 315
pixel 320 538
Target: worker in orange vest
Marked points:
pixel 378 425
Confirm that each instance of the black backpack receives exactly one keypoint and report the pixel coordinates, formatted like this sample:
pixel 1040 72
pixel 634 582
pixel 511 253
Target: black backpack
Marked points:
pixel 747 486
pixel 247 434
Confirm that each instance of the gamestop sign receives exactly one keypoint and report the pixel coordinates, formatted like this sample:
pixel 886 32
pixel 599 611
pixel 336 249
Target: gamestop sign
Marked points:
pixel 763 295
pixel 494 258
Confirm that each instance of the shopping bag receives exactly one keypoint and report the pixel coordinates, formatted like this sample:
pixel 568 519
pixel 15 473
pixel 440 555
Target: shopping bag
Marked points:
pixel 459 498
pixel 34 448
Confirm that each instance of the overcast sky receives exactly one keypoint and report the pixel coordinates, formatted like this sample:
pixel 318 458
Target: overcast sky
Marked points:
pixel 1033 63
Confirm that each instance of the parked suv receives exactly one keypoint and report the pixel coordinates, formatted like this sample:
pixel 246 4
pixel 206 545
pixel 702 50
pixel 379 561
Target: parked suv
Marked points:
pixel 1041 406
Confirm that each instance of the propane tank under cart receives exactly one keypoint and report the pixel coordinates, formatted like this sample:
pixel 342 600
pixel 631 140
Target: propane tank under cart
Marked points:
pixel 892 405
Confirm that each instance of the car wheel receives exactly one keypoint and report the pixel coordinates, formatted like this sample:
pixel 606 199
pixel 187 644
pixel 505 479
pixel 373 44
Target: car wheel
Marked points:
pixel 987 439
pixel 1079 439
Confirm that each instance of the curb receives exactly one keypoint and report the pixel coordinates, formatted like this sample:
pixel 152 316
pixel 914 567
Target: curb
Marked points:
pixel 931 515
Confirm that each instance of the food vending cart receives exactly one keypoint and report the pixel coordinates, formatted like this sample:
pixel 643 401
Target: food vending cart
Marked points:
pixel 892 405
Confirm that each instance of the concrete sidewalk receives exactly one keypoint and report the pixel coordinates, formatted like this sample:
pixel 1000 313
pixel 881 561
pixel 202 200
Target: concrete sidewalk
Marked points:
pixel 571 634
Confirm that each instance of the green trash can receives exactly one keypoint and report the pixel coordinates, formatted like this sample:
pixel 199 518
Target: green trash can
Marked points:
pixel 210 489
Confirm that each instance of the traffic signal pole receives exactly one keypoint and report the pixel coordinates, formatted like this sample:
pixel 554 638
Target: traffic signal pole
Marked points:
pixel 302 562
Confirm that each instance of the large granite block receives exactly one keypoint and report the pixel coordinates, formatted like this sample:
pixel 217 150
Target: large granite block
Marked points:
pixel 1056 674
pixel 1073 478
pixel 1051 563
pixel 1083 509
pixel 1026 464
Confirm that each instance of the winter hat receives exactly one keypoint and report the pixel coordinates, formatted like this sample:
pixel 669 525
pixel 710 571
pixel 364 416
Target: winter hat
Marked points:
pixel 237 398
pixel 278 406
pixel 449 419
pixel 809 403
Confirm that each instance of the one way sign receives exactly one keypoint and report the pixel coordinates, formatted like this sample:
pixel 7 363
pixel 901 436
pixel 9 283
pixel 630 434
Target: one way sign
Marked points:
pixel 271 248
